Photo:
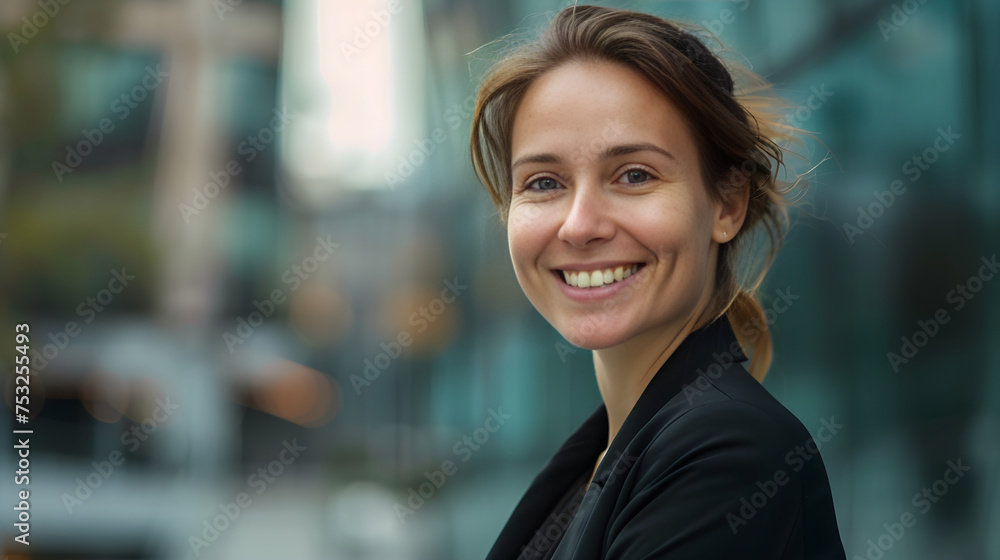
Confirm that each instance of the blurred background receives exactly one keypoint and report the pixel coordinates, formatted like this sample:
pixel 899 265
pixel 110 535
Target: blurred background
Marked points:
pixel 272 312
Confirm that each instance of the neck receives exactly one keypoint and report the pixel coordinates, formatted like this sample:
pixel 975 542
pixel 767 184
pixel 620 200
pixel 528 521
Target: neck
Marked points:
pixel 624 371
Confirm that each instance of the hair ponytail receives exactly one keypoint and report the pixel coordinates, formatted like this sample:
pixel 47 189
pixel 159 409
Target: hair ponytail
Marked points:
pixel 747 318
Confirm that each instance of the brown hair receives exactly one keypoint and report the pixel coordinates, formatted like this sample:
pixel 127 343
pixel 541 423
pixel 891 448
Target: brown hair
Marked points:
pixel 737 130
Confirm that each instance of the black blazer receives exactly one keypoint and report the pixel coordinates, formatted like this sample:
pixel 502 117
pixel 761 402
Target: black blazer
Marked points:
pixel 708 465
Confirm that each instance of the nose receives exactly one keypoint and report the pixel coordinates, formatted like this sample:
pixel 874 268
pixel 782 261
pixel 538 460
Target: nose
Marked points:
pixel 589 219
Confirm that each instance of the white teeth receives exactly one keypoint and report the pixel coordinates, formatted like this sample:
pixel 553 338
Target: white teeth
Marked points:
pixel 598 278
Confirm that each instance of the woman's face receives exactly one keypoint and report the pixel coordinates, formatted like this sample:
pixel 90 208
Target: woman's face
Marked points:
pixel 611 229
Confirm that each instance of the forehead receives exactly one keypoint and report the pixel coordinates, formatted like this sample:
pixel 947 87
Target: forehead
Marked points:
pixel 582 101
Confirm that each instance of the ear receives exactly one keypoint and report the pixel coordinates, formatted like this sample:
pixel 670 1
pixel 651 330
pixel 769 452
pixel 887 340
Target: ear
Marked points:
pixel 731 212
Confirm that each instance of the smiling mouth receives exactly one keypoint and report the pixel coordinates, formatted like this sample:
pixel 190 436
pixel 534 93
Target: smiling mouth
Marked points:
pixel 598 278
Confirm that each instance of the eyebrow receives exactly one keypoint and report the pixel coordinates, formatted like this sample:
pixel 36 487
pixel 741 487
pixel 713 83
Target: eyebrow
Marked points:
pixel 610 152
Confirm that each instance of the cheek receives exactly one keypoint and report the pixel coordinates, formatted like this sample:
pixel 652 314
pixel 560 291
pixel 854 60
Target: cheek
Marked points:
pixel 671 227
pixel 525 236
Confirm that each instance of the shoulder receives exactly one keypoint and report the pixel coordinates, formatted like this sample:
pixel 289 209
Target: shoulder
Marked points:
pixel 728 433
pixel 698 472
pixel 732 408
pixel 733 430
pixel 702 470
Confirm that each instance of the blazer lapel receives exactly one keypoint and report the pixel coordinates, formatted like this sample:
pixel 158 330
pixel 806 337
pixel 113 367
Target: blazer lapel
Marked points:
pixel 691 358
pixel 576 456
pixel 578 453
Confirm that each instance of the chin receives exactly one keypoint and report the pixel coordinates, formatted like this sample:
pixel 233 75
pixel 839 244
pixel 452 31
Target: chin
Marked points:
pixel 597 337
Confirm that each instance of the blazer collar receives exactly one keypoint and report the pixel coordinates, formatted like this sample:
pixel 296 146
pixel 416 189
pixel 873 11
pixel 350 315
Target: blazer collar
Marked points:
pixel 710 344
pixel 576 456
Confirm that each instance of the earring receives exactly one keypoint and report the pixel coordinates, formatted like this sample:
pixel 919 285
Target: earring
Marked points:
pixel 725 234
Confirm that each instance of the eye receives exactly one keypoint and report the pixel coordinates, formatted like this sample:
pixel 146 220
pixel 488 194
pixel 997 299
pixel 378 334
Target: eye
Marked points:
pixel 636 175
pixel 543 184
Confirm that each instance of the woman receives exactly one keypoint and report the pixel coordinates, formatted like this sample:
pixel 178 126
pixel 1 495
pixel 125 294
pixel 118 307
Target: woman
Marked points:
pixel 632 177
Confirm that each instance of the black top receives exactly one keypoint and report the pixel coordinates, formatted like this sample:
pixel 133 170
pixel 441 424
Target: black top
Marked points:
pixel 554 527
pixel 706 465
